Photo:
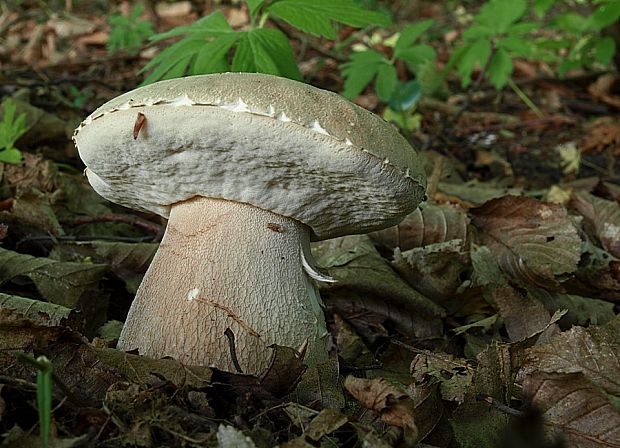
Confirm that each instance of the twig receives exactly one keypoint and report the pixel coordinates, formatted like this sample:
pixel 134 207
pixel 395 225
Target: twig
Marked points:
pixel 120 239
pixel 125 219
pixel 499 405
pixel 528 102
pixel 233 351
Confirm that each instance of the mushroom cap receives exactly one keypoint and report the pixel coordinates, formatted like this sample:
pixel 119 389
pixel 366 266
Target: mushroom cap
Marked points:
pixel 275 143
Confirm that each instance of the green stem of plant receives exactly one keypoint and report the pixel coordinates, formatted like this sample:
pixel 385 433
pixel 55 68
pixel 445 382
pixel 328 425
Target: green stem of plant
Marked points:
pixel 528 102
pixel 263 18
pixel 44 398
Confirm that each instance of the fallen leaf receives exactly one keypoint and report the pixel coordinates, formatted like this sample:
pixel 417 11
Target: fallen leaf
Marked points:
pixel 328 421
pixel 430 223
pixel 602 218
pixel 533 241
pixel 390 403
pixel 574 407
pixel 42 312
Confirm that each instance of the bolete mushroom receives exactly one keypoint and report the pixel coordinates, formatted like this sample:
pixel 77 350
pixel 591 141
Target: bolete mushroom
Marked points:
pixel 248 168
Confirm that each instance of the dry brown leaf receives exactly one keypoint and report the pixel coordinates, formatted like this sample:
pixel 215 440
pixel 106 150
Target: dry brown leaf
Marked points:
pixel 392 405
pixel 602 218
pixel 533 241
pixel 602 89
pixel 523 316
pixel 573 406
pixel 430 223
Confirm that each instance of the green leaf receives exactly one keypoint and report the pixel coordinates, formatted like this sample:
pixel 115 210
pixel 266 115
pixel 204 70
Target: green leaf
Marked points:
pixel 11 130
pixel 477 32
pixel 521 28
pixel 316 16
pixel 213 56
pixel 11 155
pixel 500 68
pixel 604 50
pixel 571 22
pixel 266 50
pixel 500 14
pixel 129 32
pixel 61 283
pixel 417 56
pixel 515 45
pixel 215 24
pixel 171 58
pixel 360 70
pixel 542 6
pixel 254 6
pixel 410 34
pixel 604 16
pixel 386 81
pixel 471 55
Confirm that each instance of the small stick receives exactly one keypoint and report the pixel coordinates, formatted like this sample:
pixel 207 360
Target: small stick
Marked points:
pixel 233 351
pixel 499 405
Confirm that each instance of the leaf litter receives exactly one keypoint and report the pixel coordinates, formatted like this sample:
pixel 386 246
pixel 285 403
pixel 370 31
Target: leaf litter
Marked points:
pixel 488 316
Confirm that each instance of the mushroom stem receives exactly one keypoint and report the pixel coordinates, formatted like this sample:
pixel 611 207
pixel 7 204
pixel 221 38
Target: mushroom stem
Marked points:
pixel 225 264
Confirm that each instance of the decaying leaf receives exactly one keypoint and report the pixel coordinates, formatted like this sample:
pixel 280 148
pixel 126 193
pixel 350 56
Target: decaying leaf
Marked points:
pixel 430 223
pixel 388 401
pixel 574 409
pixel 75 362
pixel 533 241
pixel 453 375
pixel 43 312
pixel 575 381
pixel 435 270
pixel 129 261
pixel 351 347
pixel 60 283
pixel 365 280
pixel 602 218
pixel 523 315
pixel 328 421
pixel 474 193
pixel 31 213
pixel 579 310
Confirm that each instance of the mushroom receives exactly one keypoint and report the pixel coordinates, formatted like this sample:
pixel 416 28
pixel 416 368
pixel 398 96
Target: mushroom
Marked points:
pixel 248 168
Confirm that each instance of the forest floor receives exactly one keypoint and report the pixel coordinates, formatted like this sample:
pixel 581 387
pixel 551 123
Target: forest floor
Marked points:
pixel 489 317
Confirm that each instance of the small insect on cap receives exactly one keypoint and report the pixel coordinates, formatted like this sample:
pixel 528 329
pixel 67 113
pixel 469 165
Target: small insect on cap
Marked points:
pixel 277 144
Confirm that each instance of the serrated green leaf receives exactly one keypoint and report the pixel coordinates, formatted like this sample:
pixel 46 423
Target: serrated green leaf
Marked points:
pixel 473 54
pixel 210 26
pixel 173 56
pixel 266 50
pixel 416 56
pixel 316 17
pixel 212 57
pixel 410 34
pixel 360 70
pixel 604 50
pixel 500 68
pixel 500 14
pixel 386 81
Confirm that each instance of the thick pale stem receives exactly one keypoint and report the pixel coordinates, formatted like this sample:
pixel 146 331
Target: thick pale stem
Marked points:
pixel 225 264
